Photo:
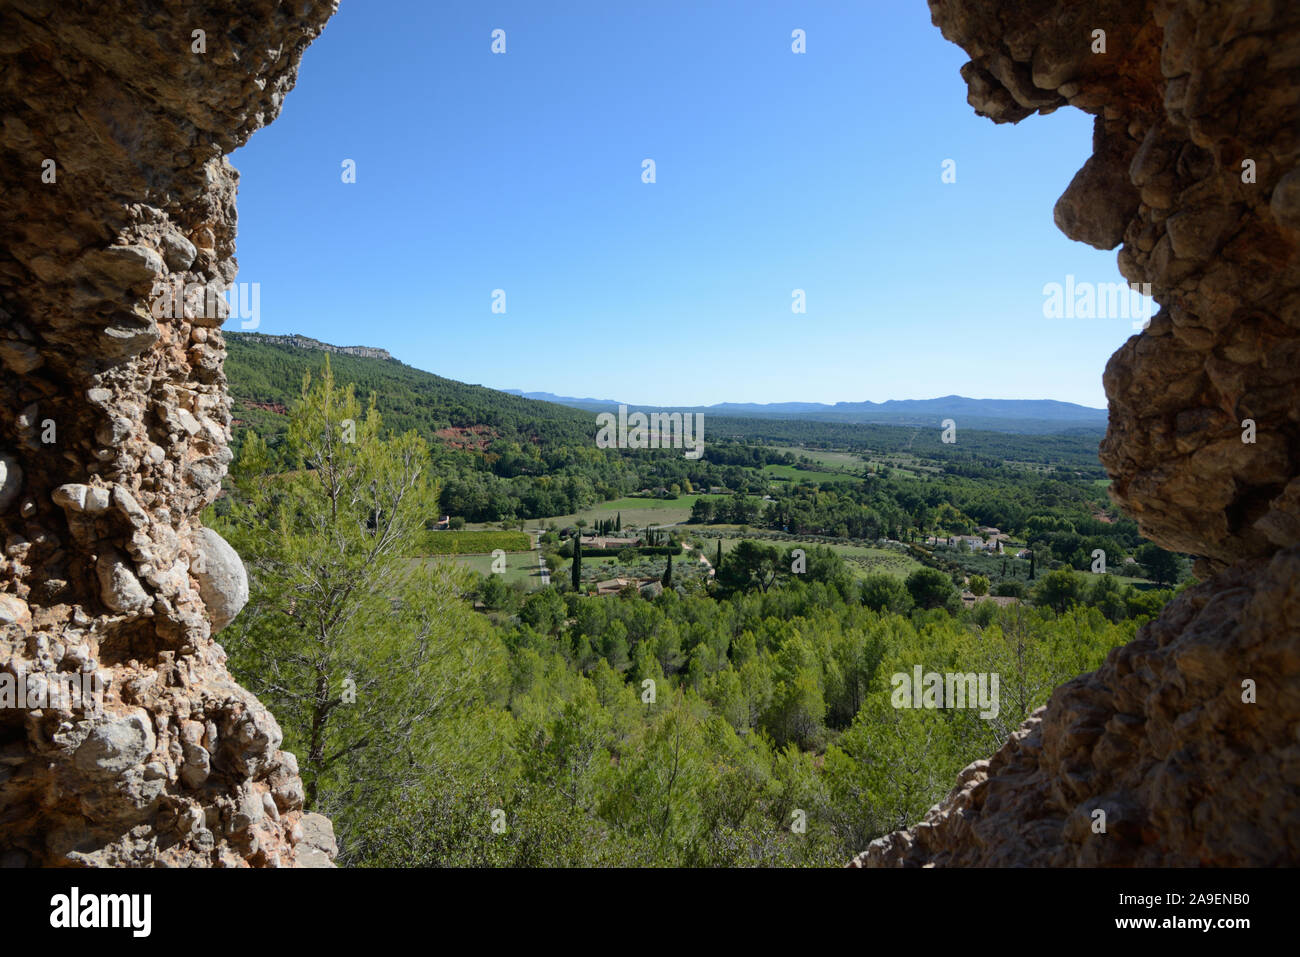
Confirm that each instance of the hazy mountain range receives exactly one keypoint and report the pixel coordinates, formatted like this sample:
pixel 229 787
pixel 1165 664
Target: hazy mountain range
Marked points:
pixel 1026 416
pixel 1004 415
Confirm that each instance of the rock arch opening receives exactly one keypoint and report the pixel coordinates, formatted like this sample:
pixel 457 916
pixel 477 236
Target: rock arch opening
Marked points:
pixel 1194 171
pixel 115 424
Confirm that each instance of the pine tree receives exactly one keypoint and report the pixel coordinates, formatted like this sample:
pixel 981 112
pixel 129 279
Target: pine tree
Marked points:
pixel 577 562
pixel 668 572
pixel 360 610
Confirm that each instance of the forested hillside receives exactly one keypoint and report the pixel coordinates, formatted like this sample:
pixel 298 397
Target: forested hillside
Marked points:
pixel 270 374
pixel 743 710
pixel 267 373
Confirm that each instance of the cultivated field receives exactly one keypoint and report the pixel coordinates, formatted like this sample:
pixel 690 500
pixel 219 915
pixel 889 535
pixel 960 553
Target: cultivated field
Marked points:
pixel 520 566
pixel 863 560
pixel 637 512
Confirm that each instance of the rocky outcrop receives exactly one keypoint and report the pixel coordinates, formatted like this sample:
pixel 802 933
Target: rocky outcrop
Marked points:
pixel 1188 739
pixel 114 423
pixel 307 342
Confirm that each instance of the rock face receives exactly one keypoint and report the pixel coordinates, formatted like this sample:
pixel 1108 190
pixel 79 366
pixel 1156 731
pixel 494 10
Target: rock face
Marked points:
pixel 114 423
pixel 307 342
pixel 1194 170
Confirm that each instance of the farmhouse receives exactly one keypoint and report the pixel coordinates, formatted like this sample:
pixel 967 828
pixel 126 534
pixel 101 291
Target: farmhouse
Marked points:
pixel 612 586
pixel 607 541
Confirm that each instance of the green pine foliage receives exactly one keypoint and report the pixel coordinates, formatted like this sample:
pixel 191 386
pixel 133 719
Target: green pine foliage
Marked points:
pixel 745 721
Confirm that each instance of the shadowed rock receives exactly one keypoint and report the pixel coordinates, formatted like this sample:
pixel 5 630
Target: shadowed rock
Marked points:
pixel 1194 169
pixel 114 424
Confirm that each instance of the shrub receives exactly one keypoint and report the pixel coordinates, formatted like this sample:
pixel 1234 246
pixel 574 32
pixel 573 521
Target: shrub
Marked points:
pixel 929 587
pixel 885 593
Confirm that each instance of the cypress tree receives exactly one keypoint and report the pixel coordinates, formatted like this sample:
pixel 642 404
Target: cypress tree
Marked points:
pixel 668 572
pixel 718 562
pixel 618 523
pixel 1031 566
pixel 577 562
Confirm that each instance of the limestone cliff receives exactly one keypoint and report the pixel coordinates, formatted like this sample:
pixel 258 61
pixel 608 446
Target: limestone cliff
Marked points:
pixel 114 422
pixel 1194 170
pixel 307 342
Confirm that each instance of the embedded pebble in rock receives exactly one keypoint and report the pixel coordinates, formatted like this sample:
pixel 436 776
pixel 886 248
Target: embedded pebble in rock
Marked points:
pixel 19 357
pixel 120 588
pixel 115 432
pixel 117 744
pixel 223 582
pixel 11 480
pixel 14 611
pixel 1196 170
pixel 315 844
pixel 178 251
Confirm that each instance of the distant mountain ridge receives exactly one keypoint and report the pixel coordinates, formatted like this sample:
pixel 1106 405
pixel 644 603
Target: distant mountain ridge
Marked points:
pixel 1025 416
pixel 307 342
pixel 1003 415
pixel 265 375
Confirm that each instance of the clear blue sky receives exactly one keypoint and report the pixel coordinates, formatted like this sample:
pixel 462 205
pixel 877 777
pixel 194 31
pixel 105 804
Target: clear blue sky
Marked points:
pixel 775 171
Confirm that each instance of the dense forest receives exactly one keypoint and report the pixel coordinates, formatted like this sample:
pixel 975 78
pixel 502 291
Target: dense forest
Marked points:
pixel 751 718
pixel 503 457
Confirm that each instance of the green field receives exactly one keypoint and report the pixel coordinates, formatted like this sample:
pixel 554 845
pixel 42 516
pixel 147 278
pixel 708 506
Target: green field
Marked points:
pixel 637 512
pixel 840 465
pixel 789 473
pixel 836 461
pixel 473 542
pixel 862 560
pixel 598 569
pixel 520 566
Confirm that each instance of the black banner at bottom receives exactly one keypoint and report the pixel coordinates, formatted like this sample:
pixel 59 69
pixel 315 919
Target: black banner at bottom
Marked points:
pixel 304 906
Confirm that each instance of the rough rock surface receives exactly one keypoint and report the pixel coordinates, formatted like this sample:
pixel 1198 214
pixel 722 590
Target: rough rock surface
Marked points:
pixel 307 342
pixel 1194 170
pixel 114 425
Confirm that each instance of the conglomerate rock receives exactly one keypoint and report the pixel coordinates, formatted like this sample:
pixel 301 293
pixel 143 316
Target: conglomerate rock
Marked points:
pixel 1194 169
pixel 114 423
